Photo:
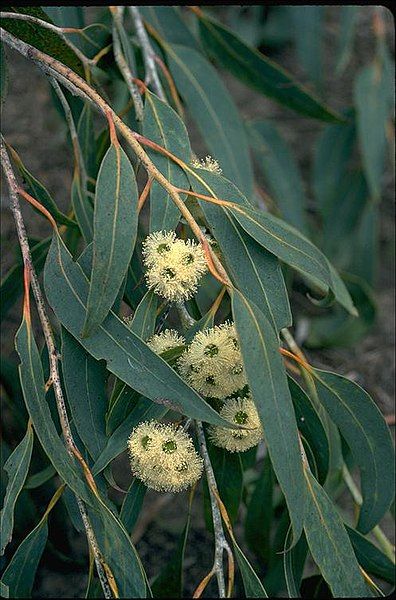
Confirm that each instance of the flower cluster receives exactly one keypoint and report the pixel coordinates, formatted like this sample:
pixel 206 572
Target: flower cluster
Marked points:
pixel 212 364
pixel 163 456
pixel 174 266
pixel 166 340
pixel 208 164
pixel 243 412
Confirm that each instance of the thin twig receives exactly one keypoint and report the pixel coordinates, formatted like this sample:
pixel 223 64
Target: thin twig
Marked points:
pixel 52 352
pixel 221 543
pixel 147 52
pixel 79 87
pixel 117 12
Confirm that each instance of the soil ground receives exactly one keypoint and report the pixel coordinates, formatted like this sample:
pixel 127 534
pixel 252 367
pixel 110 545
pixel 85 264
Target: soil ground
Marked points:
pixel 30 124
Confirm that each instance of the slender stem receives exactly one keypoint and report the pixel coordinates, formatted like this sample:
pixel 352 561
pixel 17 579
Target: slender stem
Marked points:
pixel 49 340
pixel 221 543
pixel 147 52
pixel 383 541
pixel 118 30
pixel 186 319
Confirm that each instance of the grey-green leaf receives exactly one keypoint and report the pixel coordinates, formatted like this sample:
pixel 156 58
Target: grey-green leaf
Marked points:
pixel 82 209
pixel 162 125
pixel 259 72
pixel 366 433
pixel 333 150
pixel 85 381
pixel 115 228
pixel 294 249
pixel 127 356
pixel 132 504
pixel 311 427
pixel 371 100
pixel 267 380
pixel 169 24
pixel 251 583
pixel 227 468
pixel 251 268
pixel 214 112
pixel 20 574
pixel 370 557
pixel 281 172
pixel 308 32
pixel 16 466
pixel 329 543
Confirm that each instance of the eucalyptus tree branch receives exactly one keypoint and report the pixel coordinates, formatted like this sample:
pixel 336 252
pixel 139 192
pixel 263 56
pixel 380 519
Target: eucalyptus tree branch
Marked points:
pixel 52 353
pixel 221 543
pixel 147 52
pixel 79 87
pixel 87 62
pixel 117 13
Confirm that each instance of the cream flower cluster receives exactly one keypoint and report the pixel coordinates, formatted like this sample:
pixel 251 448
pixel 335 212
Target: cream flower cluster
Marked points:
pixel 174 266
pixel 163 456
pixel 208 164
pixel 166 340
pixel 243 412
pixel 212 364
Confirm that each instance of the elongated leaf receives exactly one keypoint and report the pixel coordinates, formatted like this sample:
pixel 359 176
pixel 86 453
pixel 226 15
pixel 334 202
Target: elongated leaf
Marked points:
pixel 162 125
pixel 348 16
pixel 82 209
pixel 293 564
pixel 86 134
pixel 333 151
pixel 143 322
pixel 132 504
pixel 32 382
pixel 16 466
pixel 308 37
pixel 227 468
pixel 370 557
pixel 11 286
pixel 281 172
pixel 255 272
pixel 329 543
pixel 85 381
pixel 117 443
pixel 371 100
pixel 21 572
pixel 366 433
pixel 260 512
pixel 366 245
pixel 294 249
pixel 259 72
pixel 127 356
pixel 251 583
pixel 118 551
pixel 40 37
pixel 311 427
pixel 115 228
pixel 37 479
pixel 40 192
pixel 66 16
pixel 169 24
pixel 214 112
pixel 267 380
